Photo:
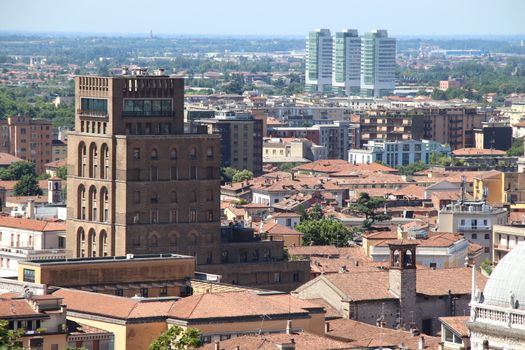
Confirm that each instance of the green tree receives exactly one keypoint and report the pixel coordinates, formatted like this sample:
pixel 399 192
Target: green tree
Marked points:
pixel 516 149
pixel 368 207
pixel 242 175
pixel 10 339
pixel 410 169
pixel 227 173
pixel 62 172
pixel 177 338
pixel 326 231
pixel 16 170
pixel 27 186
pixel 316 212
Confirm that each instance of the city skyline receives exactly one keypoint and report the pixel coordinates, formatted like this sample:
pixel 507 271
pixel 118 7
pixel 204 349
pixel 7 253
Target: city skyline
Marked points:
pixel 407 18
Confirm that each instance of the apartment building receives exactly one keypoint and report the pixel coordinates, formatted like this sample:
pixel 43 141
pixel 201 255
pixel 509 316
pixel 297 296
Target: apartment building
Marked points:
pixel 319 51
pixel 28 139
pixel 474 220
pixel 451 125
pixel 334 137
pixel 22 239
pixel 378 64
pixel 346 72
pixel 291 150
pixel 241 139
pixel 397 153
pixel 506 237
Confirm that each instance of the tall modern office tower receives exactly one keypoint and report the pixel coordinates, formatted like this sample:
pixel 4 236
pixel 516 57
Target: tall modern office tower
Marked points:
pixel 378 64
pixel 346 73
pixel 137 183
pixel 319 53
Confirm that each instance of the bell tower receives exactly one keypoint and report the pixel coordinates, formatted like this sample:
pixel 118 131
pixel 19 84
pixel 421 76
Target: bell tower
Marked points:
pixel 402 281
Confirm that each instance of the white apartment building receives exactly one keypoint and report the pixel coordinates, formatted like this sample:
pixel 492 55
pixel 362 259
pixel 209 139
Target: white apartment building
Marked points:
pixel 474 220
pixel 505 239
pixel 397 153
pixel 346 72
pixel 319 53
pixel 23 239
pixel 378 64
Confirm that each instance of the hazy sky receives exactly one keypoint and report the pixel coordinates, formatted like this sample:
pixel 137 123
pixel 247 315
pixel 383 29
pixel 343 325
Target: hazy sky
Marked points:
pixel 267 17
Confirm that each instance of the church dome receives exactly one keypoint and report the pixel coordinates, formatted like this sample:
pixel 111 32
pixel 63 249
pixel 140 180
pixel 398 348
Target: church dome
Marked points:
pixel 506 285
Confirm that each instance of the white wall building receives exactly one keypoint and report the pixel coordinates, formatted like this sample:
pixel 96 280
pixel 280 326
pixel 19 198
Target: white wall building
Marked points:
pixel 378 64
pixel 22 239
pixel 319 53
pixel 397 153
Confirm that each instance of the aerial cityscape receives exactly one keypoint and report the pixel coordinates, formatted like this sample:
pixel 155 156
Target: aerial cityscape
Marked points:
pixel 273 176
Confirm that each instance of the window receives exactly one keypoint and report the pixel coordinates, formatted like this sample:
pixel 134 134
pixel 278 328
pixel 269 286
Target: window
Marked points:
pixel 163 291
pixel 193 153
pixel 487 235
pixel 119 292
pixel 225 336
pixel 209 195
pixel 154 154
pixel 173 154
pixel 136 153
pixel 474 236
pixel 487 250
pixel 193 215
pixel 174 173
pixel 193 197
pixel 209 173
pixel 94 104
pixel 154 173
pixel 173 215
pixel 147 107
pixel 296 276
pixel 224 257
pixel 154 217
pixel 276 277
pixel 29 275
pixel 61 242
pixel 144 292
pixel 173 197
pixel 154 198
pixel 462 222
pixel 193 173
pixel 210 215
pixel 209 153
pixel 136 197
pixel 432 265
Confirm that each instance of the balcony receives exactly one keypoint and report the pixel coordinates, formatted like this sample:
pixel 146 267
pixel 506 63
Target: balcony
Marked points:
pixel 502 247
pixel 92 113
pixel 473 228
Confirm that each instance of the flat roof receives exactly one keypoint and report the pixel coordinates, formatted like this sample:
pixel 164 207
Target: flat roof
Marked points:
pixel 106 259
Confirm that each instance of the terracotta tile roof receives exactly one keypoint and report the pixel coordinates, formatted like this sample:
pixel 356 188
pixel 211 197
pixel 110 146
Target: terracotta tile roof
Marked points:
pixel 15 308
pixel 364 178
pixel 112 306
pixel 435 239
pixel 458 324
pixel 366 285
pixel 360 334
pixel 25 199
pixel 516 216
pixel 56 163
pixel 227 305
pixel 331 313
pixel 302 340
pixel 478 152
pixel 411 191
pixel 6 159
pixel 339 165
pixel 372 192
pixel 335 265
pixel 33 225
pixel 75 328
pixel 236 211
pixel 272 227
pixel 300 183
pixel 474 248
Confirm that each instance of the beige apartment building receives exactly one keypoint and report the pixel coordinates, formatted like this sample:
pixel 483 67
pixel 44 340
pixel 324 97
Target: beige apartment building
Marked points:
pixel 505 239
pixel 28 139
pixel 137 183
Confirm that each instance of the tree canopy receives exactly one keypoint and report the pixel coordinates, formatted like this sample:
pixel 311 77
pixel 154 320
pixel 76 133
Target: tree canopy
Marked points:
pixel 177 338
pixel 368 207
pixel 27 186
pixel 325 231
pixel 16 170
pixel 10 339
pixel 242 175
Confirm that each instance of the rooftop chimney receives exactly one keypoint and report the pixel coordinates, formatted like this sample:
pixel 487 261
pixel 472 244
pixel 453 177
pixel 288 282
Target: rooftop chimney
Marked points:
pixel 217 346
pixel 421 343
pixel 289 327
pixel 326 327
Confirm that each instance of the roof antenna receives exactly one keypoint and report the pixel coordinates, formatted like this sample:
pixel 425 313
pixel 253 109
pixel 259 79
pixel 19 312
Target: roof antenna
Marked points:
pixel 463 180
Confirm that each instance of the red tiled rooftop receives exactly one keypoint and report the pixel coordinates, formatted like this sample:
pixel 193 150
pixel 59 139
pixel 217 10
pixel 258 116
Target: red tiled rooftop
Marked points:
pixel 478 152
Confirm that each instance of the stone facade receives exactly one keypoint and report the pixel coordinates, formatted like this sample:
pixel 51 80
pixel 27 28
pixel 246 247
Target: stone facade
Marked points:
pixel 137 183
